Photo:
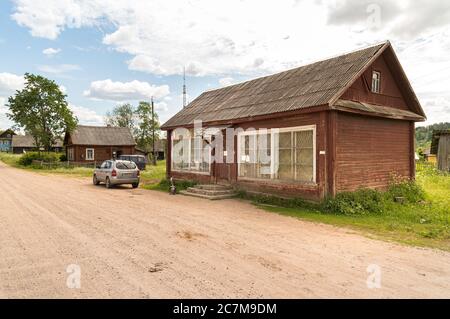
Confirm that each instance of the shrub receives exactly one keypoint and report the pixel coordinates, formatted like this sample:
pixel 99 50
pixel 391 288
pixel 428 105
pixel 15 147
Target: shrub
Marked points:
pixel 406 188
pixel 28 158
pixel 63 158
pixel 360 202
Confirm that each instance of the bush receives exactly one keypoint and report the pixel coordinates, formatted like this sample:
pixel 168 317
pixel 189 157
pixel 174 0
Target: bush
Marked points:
pixel 408 189
pixel 360 202
pixel 28 158
pixel 63 158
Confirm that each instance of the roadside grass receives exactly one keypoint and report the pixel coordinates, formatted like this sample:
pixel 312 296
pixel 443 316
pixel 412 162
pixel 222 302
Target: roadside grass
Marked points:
pixel 425 223
pixel 152 174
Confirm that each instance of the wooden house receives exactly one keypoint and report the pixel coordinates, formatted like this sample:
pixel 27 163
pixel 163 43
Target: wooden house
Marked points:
pixel 98 143
pixel 440 147
pixel 308 132
pixel 25 143
pixel 6 140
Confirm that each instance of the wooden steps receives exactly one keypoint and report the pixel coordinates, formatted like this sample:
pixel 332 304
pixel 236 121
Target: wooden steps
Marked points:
pixel 210 191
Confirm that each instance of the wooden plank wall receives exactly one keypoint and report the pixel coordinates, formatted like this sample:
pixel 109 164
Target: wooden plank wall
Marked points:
pixel 369 150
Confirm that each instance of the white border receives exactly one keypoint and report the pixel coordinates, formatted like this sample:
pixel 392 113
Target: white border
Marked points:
pixel 93 154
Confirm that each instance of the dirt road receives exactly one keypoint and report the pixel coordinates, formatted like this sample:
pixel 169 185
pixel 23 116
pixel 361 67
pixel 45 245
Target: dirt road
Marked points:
pixel 138 243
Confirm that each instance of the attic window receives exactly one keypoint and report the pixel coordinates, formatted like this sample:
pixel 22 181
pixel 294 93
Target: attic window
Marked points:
pixel 376 82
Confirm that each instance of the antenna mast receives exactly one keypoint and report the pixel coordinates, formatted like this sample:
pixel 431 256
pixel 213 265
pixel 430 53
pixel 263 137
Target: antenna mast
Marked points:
pixel 184 87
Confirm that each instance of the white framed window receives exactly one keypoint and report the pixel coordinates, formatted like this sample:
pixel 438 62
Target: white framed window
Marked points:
pixel 90 154
pixel 191 153
pixel 278 154
pixel 70 154
pixel 376 82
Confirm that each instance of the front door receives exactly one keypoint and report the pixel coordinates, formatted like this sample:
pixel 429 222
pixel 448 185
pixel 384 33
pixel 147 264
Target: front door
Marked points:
pixel 223 170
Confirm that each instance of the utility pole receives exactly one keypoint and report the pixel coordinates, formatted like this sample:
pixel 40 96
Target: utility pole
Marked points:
pixel 184 88
pixel 153 134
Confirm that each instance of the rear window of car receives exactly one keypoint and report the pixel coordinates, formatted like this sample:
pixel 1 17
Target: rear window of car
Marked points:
pixel 125 165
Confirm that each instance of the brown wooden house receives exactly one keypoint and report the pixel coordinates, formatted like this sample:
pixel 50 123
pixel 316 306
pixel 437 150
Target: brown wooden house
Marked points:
pixel 98 143
pixel 308 132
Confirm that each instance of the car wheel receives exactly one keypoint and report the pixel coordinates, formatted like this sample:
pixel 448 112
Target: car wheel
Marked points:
pixel 135 185
pixel 95 180
pixel 108 183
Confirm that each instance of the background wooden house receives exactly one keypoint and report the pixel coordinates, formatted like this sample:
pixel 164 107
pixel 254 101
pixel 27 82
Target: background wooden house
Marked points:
pixel 329 125
pixel 6 140
pixel 98 143
pixel 440 146
pixel 25 143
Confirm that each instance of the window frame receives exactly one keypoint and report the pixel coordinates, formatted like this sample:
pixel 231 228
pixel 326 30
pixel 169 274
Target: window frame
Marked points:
pixel 93 154
pixel 379 82
pixel 272 132
pixel 192 135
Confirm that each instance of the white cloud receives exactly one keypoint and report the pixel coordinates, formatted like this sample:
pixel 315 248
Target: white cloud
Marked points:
pixel 86 116
pixel 10 82
pixel 50 52
pixel 58 68
pixel 226 81
pixel 244 38
pixel 125 91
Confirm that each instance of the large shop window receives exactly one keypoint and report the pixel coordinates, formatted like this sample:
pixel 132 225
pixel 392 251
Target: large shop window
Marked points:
pixel 190 153
pixel 279 154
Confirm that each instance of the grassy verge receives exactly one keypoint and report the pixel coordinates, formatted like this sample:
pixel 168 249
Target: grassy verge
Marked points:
pixel 151 176
pixel 424 223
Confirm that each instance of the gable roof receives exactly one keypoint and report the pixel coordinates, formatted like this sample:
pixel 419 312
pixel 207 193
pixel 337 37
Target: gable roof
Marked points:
pixel 28 141
pixel 101 136
pixel 5 133
pixel 317 84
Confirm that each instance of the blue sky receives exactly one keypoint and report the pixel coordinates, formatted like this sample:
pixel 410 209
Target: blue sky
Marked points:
pixel 104 53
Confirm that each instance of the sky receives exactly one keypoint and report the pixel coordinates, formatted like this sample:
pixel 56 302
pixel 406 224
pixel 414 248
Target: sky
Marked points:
pixel 106 52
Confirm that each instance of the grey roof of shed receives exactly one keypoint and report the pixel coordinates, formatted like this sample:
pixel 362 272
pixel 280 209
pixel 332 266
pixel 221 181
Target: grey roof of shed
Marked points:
pixel 101 136
pixel 317 84
pixel 28 141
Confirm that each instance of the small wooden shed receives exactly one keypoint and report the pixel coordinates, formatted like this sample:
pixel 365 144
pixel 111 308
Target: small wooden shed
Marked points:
pixel 308 132
pixel 98 143
pixel 440 146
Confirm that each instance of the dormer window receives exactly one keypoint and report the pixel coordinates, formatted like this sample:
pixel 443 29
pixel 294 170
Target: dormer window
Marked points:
pixel 376 82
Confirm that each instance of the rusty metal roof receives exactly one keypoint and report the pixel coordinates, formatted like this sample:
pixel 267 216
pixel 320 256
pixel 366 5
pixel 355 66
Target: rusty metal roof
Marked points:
pixel 311 85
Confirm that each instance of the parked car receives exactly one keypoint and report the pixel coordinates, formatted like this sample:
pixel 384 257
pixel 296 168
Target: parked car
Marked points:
pixel 139 160
pixel 117 172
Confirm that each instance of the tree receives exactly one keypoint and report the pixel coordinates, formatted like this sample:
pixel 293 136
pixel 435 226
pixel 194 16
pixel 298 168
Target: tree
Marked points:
pixel 41 110
pixel 122 116
pixel 146 124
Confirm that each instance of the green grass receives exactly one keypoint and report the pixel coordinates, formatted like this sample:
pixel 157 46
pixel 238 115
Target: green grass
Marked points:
pixel 425 223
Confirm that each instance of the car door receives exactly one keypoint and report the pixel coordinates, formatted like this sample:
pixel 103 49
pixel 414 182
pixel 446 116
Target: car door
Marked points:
pixel 101 173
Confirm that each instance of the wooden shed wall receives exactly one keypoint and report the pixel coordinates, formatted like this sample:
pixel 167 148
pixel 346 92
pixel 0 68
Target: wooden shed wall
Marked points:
pixel 390 94
pixel 369 150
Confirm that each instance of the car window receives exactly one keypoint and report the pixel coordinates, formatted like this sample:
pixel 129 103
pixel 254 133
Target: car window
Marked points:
pixel 104 165
pixel 125 165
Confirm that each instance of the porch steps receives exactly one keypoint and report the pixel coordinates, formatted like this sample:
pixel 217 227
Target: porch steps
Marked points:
pixel 210 191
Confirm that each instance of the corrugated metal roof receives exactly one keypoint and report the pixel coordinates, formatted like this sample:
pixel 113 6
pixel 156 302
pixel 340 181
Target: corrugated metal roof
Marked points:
pixel 307 86
pixel 102 136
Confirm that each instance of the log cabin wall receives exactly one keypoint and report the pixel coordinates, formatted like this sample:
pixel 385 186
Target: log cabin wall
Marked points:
pixel 370 149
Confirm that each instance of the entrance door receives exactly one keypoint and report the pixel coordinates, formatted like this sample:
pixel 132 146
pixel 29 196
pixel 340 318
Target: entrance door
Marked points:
pixel 223 171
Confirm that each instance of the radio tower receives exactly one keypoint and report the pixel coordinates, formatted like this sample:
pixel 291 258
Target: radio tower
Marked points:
pixel 184 87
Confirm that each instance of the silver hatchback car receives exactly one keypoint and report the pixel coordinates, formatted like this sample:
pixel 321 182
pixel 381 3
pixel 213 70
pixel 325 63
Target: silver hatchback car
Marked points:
pixel 117 172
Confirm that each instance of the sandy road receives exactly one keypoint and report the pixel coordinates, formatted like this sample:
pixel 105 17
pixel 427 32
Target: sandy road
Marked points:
pixel 137 243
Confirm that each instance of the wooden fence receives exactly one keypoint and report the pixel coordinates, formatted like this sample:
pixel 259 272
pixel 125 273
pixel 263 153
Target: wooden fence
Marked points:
pixel 63 164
